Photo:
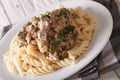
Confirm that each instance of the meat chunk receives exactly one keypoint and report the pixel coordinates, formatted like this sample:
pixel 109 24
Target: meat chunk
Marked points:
pixel 52 32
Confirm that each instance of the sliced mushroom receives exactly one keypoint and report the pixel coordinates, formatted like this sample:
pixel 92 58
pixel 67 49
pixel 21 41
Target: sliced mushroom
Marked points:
pixel 28 28
pixel 42 35
pixel 42 46
pixel 28 37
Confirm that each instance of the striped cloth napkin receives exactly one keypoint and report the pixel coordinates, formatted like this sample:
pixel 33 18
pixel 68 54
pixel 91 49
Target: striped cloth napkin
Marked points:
pixel 109 58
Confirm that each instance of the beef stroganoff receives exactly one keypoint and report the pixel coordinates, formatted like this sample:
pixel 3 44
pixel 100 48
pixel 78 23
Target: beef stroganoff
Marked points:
pixel 51 41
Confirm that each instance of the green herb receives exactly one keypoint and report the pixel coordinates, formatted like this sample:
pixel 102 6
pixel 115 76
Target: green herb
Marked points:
pixel 56 41
pixel 50 50
pixel 46 14
pixel 67 29
pixel 64 11
pixel 36 24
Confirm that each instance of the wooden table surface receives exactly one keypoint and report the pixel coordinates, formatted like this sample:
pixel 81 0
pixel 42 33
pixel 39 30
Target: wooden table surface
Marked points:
pixel 12 11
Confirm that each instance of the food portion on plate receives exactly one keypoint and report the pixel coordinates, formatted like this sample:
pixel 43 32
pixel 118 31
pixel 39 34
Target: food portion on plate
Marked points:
pixel 51 41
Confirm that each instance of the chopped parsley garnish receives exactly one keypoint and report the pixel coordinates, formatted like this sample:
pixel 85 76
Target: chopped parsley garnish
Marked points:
pixel 56 41
pixel 67 29
pixel 46 14
pixel 36 24
pixel 64 12
pixel 50 50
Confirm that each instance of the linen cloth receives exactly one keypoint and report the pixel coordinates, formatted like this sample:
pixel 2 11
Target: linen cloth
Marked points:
pixel 109 57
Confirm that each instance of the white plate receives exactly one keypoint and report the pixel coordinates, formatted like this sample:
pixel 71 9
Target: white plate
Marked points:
pixel 101 36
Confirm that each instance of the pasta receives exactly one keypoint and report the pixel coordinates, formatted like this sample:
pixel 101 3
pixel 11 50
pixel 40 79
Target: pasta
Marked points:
pixel 47 43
